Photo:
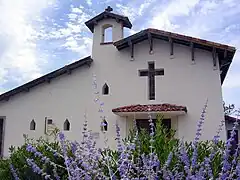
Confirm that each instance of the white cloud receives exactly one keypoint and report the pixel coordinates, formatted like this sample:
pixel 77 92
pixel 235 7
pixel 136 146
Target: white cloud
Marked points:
pixel 162 19
pixel 126 11
pixel 133 9
pixel 18 39
pixel 73 45
pixel 72 16
pixel 208 6
pixel 78 10
pixel 72 35
pixel 194 17
pixel 89 2
pixel 232 27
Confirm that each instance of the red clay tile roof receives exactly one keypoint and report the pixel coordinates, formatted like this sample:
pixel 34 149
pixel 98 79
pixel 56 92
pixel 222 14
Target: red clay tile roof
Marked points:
pixel 176 36
pixel 192 39
pixel 150 107
pixel 225 52
pixel 91 23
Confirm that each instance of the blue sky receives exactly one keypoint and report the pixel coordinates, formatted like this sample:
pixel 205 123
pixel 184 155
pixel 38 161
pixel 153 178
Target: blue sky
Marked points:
pixel 37 37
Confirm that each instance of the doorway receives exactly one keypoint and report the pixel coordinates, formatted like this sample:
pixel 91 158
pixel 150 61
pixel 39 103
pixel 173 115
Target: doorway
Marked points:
pixel 2 121
pixel 144 124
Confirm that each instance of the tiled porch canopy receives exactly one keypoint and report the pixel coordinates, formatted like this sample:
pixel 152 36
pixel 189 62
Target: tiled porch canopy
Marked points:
pixel 170 109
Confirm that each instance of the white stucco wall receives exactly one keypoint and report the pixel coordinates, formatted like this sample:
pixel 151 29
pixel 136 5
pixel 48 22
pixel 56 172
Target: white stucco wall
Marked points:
pixel 183 83
pixel 69 96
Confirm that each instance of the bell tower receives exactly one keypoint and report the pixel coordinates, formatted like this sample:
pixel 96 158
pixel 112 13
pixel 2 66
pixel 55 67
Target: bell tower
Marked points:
pixel 107 27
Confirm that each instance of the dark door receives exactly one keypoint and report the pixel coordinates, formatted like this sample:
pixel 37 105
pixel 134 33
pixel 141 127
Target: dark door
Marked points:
pixel 1 136
pixel 144 124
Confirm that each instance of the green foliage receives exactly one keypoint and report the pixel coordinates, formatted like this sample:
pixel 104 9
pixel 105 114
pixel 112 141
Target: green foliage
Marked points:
pixel 205 148
pixel 5 173
pixel 164 141
pixel 18 156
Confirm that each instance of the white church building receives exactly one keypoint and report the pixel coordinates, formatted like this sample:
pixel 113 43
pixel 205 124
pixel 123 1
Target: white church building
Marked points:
pixel 164 72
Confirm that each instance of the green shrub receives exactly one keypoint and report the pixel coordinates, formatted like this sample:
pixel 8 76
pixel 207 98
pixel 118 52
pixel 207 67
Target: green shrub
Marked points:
pixel 18 156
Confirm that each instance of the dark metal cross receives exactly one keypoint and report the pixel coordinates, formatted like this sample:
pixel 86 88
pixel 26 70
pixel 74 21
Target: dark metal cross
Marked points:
pixel 109 9
pixel 151 72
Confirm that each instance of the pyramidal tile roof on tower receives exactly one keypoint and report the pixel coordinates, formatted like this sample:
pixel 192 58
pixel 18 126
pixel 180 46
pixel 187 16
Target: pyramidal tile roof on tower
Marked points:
pixel 108 14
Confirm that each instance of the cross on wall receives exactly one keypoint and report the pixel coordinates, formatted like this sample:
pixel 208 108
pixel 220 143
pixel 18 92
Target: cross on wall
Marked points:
pixel 151 72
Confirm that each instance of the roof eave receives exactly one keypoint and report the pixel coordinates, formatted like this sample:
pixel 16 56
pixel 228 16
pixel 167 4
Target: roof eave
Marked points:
pixel 231 118
pixel 170 113
pixel 66 69
pixel 224 70
pixel 90 23
pixel 165 35
pixel 202 44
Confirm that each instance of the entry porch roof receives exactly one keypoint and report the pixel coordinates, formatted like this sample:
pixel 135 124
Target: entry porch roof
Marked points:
pixel 170 109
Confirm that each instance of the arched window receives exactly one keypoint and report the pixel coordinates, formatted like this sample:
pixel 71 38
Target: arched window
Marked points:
pixel 107 34
pixel 104 125
pixel 32 125
pixel 105 89
pixel 66 125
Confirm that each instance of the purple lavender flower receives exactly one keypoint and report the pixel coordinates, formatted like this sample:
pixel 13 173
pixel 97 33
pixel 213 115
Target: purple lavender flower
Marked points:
pixel 61 136
pixel 238 170
pixel 217 136
pixel 13 171
pixel 36 153
pixel 74 147
pixel 184 158
pixel 226 165
pixel 85 162
pixel 64 150
pixel 151 125
pixel 34 166
pixel 197 137
pixel 118 139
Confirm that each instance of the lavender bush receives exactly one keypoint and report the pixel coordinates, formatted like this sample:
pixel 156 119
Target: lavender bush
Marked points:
pixel 141 156
pixel 131 159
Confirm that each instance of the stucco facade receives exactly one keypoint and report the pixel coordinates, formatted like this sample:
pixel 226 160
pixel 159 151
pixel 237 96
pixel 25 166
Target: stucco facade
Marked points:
pixel 69 96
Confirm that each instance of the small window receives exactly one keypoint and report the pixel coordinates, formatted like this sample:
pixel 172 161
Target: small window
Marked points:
pixel 105 89
pixel 32 125
pixel 107 33
pixel 66 125
pixel 49 121
pixel 104 125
